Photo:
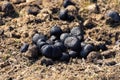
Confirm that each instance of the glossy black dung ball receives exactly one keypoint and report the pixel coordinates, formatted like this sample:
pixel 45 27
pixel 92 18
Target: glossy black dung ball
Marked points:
pixel 56 31
pixel 24 47
pixel 63 15
pixel 113 15
pixel 40 43
pixel 61 46
pixel 65 57
pixel 73 54
pixel 72 43
pixel 37 36
pixel 77 31
pixel 53 38
pixel 63 36
pixel 56 53
pixel 46 50
pixel 67 3
pixel 86 50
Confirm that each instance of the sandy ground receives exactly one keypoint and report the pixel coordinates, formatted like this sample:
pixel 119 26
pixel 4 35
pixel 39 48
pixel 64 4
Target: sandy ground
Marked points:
pixel 14 31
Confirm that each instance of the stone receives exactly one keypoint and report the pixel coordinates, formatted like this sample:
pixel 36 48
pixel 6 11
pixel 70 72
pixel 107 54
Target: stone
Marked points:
pixel 93 8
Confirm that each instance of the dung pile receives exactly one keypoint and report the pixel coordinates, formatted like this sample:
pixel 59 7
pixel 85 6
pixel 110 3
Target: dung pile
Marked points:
pixel 62 45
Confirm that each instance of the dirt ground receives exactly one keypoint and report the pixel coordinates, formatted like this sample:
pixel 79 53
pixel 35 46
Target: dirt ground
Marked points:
pixel 19 28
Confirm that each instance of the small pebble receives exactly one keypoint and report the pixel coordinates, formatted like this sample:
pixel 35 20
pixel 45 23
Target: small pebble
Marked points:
pixel 94 8
pixel 1 32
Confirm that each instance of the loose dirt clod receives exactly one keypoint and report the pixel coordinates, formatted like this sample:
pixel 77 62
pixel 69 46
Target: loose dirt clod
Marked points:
pixel 108 54
pixel 93 56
